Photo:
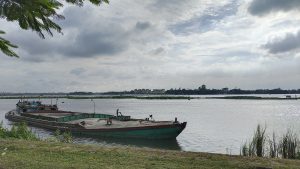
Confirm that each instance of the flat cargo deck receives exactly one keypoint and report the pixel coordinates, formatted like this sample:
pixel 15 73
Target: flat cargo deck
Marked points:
pixel 66 116
pixel 92 123
pixel 53 115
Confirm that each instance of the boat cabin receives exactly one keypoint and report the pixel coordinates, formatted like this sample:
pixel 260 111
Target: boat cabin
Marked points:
pixel 32 106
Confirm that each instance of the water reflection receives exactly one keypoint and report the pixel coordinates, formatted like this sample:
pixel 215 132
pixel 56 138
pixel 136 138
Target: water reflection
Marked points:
pixel 157 144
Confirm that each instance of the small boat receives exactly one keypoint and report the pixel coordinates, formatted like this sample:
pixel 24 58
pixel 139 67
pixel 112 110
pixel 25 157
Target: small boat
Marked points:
pixel 49 117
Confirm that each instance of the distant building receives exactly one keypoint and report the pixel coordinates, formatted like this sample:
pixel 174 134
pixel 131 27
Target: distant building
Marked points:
pixel 158 91
pixel 202 87
pixel 225 90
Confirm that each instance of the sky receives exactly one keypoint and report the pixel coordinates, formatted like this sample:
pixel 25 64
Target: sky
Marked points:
pixel 128 44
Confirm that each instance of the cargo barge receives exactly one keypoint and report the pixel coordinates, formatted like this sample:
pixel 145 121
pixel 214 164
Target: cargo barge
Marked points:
pixel 49 117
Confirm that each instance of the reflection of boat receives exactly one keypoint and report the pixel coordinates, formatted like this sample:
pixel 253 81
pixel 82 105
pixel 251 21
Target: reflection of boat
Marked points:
pixel 167 144
pixel 95 125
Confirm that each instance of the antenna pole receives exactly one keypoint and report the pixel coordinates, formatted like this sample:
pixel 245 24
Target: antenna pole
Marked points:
pixel 94 105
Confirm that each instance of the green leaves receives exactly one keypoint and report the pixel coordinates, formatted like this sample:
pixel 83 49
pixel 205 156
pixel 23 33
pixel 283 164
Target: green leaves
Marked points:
pixel 35 15
pixel 6 46
pixel 80 2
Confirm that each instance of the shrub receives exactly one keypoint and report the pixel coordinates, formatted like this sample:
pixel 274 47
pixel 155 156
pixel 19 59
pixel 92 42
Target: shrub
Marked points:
pixel 18 130
pixel 287 147
pixel 256 146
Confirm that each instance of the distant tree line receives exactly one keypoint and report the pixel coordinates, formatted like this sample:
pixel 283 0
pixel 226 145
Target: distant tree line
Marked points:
pixel 138 91
pixel 80 93
pixel 202 90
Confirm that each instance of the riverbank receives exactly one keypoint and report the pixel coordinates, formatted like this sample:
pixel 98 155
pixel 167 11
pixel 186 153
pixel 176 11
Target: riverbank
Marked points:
pixel 101 97
pixel 253 98
pixel 160 97
pixel 36 154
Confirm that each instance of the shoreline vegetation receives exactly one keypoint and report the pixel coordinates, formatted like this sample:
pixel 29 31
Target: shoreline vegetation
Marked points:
pixel 180 93
pixel 161 97
pixel 286 146
pixel 202 90
pixel 19 148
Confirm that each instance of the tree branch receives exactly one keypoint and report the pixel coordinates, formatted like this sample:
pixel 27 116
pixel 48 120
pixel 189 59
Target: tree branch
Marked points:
pixel 5 46
pixel 36 15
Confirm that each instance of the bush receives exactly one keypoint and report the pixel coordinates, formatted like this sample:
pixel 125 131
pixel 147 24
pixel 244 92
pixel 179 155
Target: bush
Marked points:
pixel 65 137
pixel 19 131
pixel 273 147
pixel 256 146
pixel 287 147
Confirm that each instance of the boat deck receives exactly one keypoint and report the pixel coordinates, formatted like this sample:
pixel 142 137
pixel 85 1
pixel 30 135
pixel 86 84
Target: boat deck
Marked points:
pixel 93 123
pixel 101 123
pixel 53 115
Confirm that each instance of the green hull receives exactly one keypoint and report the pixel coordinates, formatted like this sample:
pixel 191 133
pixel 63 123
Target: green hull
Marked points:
pixel 151 133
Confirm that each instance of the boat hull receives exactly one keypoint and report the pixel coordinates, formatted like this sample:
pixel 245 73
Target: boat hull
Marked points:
pixel 148 132
pixel 160 132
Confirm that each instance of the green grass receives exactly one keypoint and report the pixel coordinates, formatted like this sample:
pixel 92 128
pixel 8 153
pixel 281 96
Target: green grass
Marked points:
pixel 16 153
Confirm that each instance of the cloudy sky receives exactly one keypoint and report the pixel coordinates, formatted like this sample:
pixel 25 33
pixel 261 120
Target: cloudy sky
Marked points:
pixel 131 44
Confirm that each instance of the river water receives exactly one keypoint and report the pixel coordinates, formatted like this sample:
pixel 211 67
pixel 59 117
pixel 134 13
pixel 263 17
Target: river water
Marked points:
pixel 213 125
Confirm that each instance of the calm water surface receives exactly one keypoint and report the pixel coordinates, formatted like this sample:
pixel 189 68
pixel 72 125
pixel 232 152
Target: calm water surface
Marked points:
pixel 217 126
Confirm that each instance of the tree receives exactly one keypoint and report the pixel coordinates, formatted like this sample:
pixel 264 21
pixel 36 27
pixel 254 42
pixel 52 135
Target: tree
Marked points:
pixel 35 15
pixel 203 87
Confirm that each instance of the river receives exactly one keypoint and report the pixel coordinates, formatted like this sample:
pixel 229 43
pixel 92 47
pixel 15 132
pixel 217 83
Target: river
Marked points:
pixel 213 125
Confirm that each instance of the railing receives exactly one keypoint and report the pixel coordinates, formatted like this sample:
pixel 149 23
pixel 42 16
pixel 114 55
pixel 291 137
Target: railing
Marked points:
pixel 83 116
pixel 73 117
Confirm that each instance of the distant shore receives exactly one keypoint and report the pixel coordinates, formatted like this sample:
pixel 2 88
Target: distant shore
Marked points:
pixel 97 97
pixel 254 98
pixel 160 97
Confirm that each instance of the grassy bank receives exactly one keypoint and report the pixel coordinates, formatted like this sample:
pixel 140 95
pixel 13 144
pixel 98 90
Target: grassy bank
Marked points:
pixel 36 154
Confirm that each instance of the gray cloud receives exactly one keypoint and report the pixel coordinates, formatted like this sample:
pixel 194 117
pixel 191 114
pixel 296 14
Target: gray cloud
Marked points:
pixel 74 16
pixel 93 43
pixel 263 7
pixel 142 25
pixel 174 6
pixel 95 40
pixel 207 21
pixel 288 43
pixel 77 71
pixel 157 51
pixel 32 58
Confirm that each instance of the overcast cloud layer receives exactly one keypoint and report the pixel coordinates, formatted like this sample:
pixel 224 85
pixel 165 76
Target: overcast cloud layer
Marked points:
pixel 160 44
